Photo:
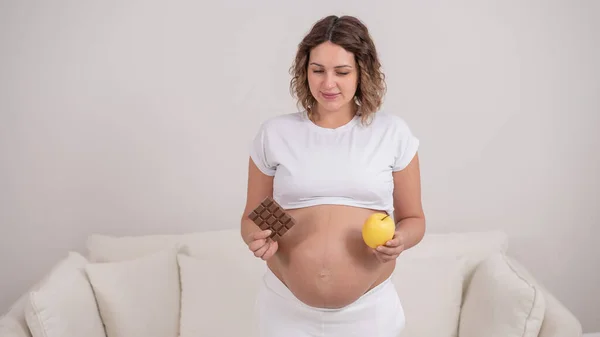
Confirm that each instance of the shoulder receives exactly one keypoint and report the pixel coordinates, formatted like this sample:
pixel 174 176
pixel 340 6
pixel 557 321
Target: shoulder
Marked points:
pixel 284 119
pixel 282 123
pixel 387 121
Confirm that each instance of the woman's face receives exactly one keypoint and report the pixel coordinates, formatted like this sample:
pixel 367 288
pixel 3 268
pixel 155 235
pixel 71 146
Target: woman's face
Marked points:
pixel 332 76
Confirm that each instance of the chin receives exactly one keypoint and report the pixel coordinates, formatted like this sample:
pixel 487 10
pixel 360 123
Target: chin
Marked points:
pixel 332 106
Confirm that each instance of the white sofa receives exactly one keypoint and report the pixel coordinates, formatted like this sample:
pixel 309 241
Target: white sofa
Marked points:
pixel 204 284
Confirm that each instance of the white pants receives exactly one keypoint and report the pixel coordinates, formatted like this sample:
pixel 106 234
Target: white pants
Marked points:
pixel 378 313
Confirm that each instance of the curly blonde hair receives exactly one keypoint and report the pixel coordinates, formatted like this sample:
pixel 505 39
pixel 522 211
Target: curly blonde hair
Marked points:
pixel 352 35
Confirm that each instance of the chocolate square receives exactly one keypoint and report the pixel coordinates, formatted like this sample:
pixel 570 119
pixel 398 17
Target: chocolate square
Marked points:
pixel 270 215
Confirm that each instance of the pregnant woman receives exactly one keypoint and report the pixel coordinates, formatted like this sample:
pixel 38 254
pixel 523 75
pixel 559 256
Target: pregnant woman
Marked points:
pixel 331 166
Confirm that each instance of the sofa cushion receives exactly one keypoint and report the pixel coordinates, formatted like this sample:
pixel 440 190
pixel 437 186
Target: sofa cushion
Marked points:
pixel 471 247
pixel 64 304
pixel 14 323
pixel 430 290
pixel 470 244
pixel 14 320
pixel 138 297
pixel 501 301
pixel 11 329
pixel 218 296
pixel 107 248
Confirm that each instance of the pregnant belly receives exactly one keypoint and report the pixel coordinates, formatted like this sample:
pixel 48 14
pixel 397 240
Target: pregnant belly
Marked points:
pixel 324 260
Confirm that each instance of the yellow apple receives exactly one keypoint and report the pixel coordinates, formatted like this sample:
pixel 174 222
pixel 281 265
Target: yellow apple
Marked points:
pixel 378 229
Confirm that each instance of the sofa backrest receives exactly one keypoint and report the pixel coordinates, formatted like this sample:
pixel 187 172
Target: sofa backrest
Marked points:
pixel 226 243
pixel 470 247
pixel 474 246
pixel 431 278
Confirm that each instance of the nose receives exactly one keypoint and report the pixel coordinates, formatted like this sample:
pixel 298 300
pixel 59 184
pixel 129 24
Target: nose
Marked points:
pixel 329 81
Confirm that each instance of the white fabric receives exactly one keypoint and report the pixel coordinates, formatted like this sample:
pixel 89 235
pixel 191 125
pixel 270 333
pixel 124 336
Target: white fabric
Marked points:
pixel 224 243
pixel 218 295
pixel 10 327
pixel 139 297
pixel 472 247
pixel 501 302
pixel 378 313
pixel 64 305
pixel 430 289
pixel 13 323
pixel 349 165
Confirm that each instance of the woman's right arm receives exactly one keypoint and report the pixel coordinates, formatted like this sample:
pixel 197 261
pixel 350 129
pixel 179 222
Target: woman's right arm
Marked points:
pixel 260 186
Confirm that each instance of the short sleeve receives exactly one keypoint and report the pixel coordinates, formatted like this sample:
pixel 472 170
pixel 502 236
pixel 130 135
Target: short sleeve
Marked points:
pixel 259 151
pixel 406 146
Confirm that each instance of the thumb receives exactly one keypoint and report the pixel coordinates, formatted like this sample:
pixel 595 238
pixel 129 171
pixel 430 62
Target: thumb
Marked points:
pixel 258 235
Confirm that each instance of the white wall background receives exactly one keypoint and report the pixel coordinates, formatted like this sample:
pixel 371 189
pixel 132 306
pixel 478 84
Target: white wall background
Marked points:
pixel 134 117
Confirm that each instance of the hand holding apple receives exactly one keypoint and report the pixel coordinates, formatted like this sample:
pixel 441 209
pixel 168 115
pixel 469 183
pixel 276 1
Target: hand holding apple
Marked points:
pixel 378 229
pixel 379 232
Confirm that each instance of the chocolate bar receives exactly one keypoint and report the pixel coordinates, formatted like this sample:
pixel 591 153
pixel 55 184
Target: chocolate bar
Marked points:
pixel 270 215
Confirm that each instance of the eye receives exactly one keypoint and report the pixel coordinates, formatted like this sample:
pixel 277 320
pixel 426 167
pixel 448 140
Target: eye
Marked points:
pixel 317 71
pixel 343 74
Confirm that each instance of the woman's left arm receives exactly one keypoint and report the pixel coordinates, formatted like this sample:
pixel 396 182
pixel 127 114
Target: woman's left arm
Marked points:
pixel 408 212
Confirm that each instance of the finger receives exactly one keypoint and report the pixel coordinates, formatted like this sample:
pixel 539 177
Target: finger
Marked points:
pixel 384 250
pixel 380 257
pixel 256 245
pixel 257 239
pixel 261 251
pixel 395 241
pixel 273 245
pixel 386 258
pixel 259 235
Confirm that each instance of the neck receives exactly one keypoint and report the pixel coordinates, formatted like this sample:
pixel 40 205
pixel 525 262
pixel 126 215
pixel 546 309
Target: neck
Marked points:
pixel 334 118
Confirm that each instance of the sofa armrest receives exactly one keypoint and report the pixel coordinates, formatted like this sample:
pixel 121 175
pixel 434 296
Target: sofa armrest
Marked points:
pixel 558 320
pixel 13 323
pixel 9 327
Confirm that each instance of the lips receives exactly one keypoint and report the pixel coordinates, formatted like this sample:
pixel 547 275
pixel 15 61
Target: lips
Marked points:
pixel 330 96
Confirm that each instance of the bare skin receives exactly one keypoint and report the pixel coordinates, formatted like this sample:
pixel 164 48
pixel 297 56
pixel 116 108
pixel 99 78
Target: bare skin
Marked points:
pixel 324 261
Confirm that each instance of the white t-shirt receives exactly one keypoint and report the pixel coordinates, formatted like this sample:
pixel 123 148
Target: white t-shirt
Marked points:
pixel 350 165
